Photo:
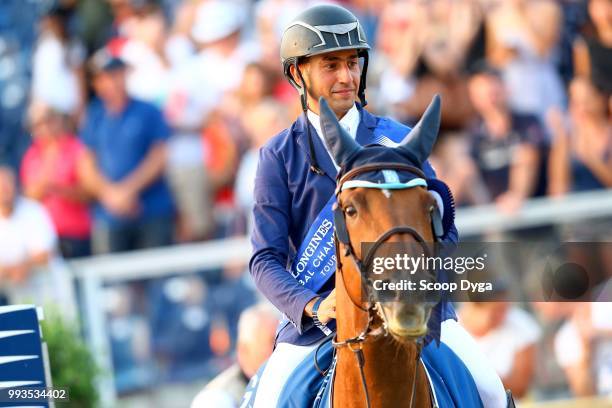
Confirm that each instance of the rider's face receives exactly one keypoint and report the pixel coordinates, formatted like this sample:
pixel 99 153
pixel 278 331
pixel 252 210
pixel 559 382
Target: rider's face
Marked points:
pixel 334 76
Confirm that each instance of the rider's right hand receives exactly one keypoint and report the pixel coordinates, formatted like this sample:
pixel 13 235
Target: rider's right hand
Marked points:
pixel 327 308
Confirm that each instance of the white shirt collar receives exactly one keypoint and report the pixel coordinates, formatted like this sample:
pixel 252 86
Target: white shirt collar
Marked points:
pixel 350 122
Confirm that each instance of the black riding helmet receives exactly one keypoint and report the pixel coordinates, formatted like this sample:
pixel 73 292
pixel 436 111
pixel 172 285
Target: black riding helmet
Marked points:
pixel 320 29
pixel 317 30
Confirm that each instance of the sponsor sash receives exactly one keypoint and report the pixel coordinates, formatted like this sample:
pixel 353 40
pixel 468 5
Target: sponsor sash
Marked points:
pixel 315 260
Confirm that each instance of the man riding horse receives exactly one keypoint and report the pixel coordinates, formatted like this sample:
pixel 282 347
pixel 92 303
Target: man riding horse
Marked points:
pixel 324 53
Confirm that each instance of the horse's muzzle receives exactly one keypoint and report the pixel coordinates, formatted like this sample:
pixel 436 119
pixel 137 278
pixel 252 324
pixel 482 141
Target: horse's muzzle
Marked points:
pixel 406 321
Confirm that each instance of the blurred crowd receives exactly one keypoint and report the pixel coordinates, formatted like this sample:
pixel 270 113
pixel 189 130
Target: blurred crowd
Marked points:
pixel 129 124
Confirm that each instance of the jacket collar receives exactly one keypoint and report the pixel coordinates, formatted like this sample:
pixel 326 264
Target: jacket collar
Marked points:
pixel 365 134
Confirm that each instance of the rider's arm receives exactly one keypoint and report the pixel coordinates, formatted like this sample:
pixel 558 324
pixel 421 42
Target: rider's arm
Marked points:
pixel 271 223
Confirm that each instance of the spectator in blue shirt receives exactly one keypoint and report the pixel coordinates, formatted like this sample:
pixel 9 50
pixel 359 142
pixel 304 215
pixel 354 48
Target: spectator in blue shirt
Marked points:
pixel 125 159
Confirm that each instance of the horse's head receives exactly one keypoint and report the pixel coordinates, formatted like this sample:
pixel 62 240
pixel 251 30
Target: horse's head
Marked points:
pixel 382 197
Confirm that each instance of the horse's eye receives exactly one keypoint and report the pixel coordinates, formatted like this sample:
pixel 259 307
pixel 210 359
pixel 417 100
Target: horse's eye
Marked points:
pixel 350 211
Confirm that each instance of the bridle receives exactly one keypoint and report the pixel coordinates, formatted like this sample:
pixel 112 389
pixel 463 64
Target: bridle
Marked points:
pixel 355 344
pixel 342 235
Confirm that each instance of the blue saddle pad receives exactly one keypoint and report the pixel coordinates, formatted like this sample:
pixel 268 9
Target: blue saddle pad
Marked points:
pixel 452 384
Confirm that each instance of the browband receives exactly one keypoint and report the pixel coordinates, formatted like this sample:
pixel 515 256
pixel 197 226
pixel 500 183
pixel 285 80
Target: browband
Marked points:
pixel 384 186
pixel 376 167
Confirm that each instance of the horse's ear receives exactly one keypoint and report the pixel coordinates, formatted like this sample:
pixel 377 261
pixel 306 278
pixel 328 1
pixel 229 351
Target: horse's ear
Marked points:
pixel 338 141
pixel 422 137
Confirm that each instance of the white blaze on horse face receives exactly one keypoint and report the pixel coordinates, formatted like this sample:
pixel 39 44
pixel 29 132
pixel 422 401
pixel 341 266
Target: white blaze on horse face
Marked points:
pixel 386 192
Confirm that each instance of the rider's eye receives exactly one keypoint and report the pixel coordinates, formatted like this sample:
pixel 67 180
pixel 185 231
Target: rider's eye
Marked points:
pixel 350 211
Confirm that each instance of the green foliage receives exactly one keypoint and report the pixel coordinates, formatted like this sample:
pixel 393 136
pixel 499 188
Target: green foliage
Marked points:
pixel 72 364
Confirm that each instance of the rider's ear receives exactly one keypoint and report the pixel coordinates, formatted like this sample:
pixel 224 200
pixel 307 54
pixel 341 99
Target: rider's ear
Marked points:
pixel 303 67
pixel 294 75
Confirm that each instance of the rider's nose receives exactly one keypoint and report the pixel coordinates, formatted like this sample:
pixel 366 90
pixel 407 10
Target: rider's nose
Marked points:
pixel 344 74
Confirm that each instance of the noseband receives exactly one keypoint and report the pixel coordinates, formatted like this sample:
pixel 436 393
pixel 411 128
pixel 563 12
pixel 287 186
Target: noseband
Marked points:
pixel 355 344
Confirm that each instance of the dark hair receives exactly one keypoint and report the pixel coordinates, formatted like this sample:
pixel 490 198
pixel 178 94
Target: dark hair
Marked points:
pixel 103 61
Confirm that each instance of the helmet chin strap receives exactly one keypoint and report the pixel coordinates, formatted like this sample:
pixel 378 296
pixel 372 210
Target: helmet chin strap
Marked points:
pixel 314 164
pixel 362 82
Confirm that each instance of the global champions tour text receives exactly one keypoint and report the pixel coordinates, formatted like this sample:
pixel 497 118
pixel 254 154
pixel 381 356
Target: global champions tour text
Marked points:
pixel 318 255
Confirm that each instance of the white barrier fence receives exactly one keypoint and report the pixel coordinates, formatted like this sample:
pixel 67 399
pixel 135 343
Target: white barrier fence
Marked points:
pixel 536 212
pixel 94 272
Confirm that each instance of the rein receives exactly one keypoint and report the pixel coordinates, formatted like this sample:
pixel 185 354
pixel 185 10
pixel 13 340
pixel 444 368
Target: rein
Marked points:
pixel 355 344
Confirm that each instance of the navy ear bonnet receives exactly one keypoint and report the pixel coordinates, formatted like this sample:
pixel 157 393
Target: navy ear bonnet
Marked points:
pixel 412 150
pixel 375 153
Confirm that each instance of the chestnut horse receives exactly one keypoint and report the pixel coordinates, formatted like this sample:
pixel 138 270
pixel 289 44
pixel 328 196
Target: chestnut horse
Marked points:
pixel 378 344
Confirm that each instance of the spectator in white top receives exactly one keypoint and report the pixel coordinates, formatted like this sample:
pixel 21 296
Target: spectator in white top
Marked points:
pixel 200 83
pixel 27 244
pixel 198 86
pixel 583 348
pixel 27 237
pixel 507 335
pixel 179 46
pixel 522 40
pixel 57 66
pixel 144 52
